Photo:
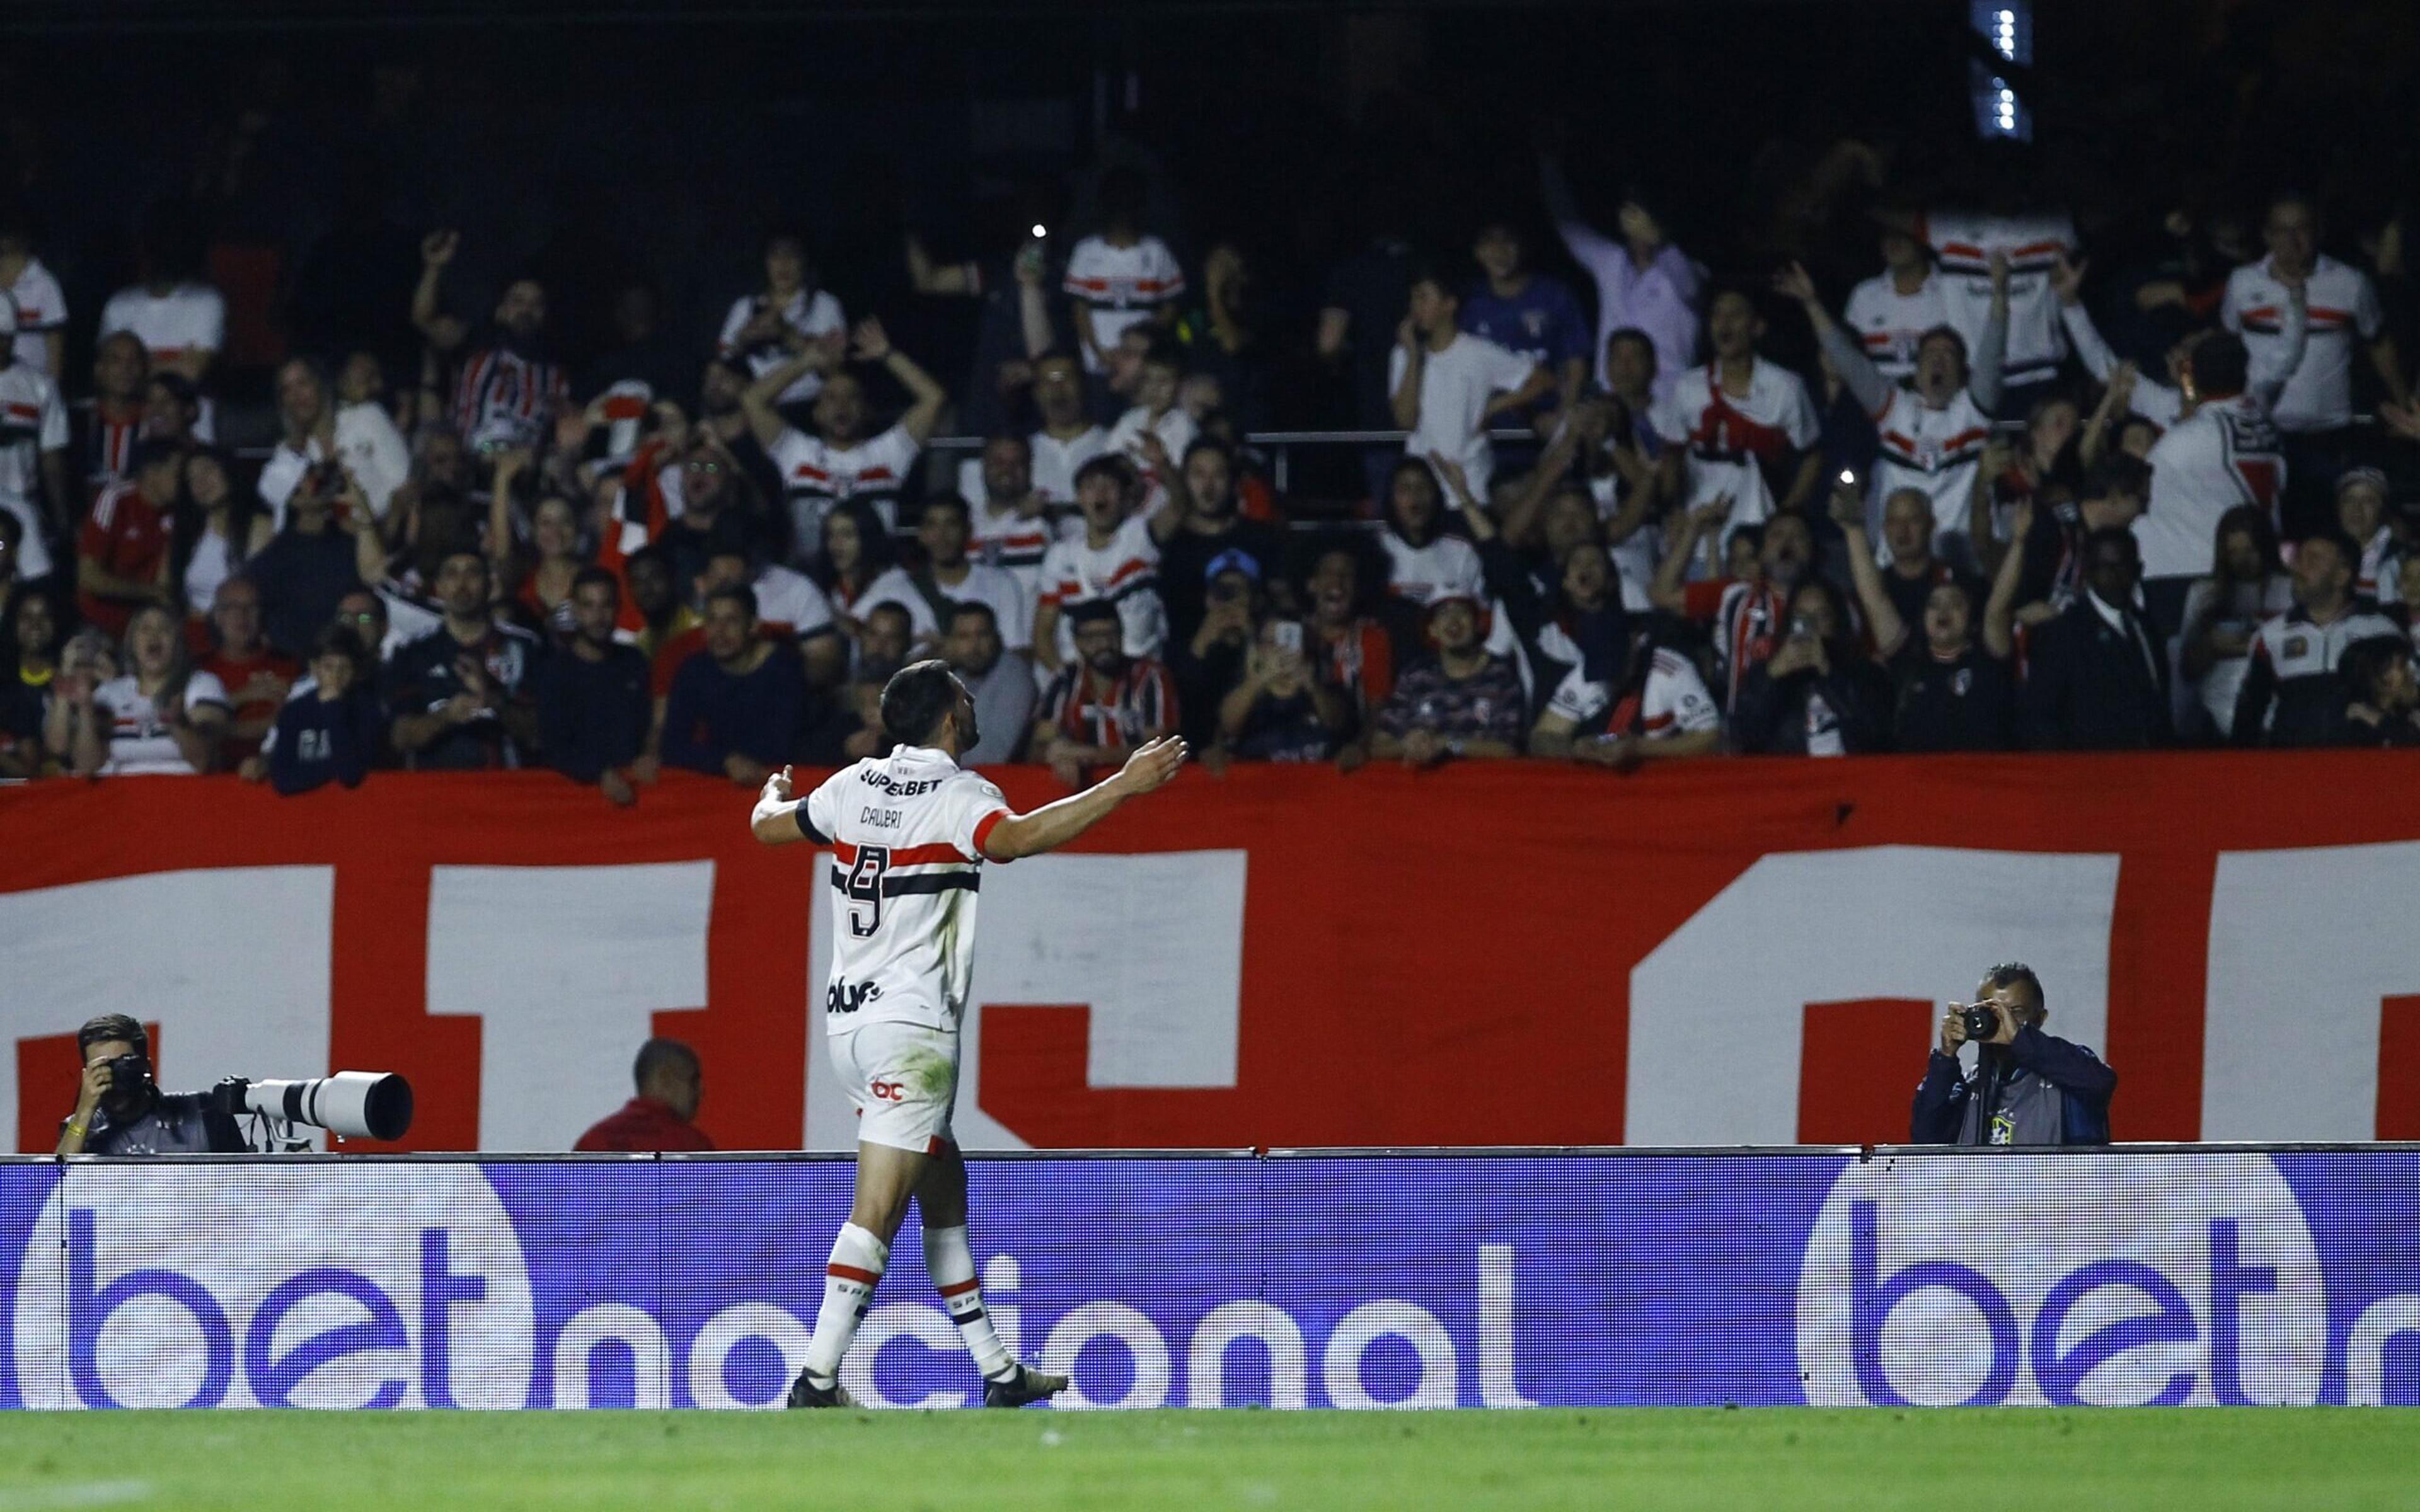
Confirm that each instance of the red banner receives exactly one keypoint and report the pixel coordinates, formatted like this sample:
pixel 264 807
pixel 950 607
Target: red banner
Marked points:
pixel 1514 953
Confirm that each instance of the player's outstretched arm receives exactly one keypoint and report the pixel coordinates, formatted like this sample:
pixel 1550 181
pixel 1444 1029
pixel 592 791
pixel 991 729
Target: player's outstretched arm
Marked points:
pixel 775 819
pixel 1054 824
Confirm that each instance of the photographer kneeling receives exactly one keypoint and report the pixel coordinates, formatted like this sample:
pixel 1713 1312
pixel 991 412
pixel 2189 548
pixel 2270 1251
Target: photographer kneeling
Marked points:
pixel 120 1111
pixel 2027 1088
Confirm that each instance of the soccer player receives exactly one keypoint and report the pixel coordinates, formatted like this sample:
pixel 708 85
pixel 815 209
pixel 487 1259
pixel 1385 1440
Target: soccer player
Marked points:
pixel 909 833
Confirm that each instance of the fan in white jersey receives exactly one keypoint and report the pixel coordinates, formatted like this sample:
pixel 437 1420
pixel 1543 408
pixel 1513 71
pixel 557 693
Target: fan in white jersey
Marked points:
pixel 1966 245
pixel 1890 312
pixel 2273 363
pixel 785 317
pixel 2225 453
pixel 1110 558
pixel 841 461
pixel 40 342
pixel 909 833
pixel 1933 430
pixel 1725 423
pixel 2342 306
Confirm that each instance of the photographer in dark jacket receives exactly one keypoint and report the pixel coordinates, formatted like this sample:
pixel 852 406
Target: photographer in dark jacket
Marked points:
pixel 120 1111
pixel 2027 1088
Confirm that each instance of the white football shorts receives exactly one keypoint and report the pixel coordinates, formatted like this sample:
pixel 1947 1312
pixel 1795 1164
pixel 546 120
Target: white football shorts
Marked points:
pixel 904 1079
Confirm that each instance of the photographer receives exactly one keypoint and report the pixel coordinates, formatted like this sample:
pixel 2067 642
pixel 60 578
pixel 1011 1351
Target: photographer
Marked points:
pixel 120 1111
pixel 2027 1088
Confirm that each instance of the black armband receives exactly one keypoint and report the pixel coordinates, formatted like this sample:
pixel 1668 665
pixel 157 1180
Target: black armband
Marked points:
pixel 806 830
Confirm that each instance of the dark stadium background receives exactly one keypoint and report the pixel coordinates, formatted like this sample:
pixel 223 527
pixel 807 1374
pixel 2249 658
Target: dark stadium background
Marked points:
pixel 592 140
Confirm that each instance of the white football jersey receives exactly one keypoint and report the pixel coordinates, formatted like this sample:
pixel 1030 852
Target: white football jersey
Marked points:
pixel 2223 454
pixel 1889 325
pixel 1121 285
pixel 815 475
pixel 32 422
pixel 1964 244
pixel 1727 436
pixel 1056 462
pixel 189 318
pixel 2343 304
pixel 811 315
pixel 41 307
pixel 1934 452
pixel 906 832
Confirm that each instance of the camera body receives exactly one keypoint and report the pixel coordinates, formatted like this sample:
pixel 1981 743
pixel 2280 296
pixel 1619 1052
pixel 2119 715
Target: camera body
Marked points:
pixel 1982 1022
pixel 129 1073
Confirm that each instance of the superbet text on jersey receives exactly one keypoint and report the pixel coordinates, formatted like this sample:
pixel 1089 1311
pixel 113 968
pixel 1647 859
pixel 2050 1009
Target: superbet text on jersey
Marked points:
pixel 907 834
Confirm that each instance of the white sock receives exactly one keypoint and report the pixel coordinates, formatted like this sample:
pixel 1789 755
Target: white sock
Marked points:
pixel 856 1265
pixel 952 1264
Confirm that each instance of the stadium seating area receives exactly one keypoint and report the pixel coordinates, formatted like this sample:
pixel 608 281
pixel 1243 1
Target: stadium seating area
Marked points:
pixel 1605 476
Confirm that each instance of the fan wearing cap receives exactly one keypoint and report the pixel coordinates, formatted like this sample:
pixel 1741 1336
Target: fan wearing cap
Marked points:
pixel 1200 527
pixel 33 450
pixel 2360 510
pixel 1211 661
pixel 1459 701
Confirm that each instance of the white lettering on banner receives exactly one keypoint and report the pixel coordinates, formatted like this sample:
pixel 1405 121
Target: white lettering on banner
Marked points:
pixel 1153 943
pixel 2027 1280
pixel 1205 1362
pixel 1340 1367
pixel 2304 944
pixel 723 1333
pixel 1716 1011
pixel 2381 1322
pixel 231 964
pixel 920 1321
pixel 1112 1320
pixel 616 1323
pixel 566 967
pixel 268 1286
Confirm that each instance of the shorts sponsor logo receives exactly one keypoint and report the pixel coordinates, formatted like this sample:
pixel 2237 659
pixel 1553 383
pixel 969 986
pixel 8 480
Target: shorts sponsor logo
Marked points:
pixel 230 1286
pixel 888 1091
pixel 2062 1280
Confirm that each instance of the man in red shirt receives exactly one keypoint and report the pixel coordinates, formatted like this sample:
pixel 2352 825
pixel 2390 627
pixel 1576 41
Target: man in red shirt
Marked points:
pixel 257 678
pixel 122 550
pixel 670 1088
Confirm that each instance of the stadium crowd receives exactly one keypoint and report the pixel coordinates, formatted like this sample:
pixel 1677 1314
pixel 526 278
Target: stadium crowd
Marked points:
pixel 1615 526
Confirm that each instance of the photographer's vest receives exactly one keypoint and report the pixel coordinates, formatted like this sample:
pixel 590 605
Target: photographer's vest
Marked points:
pixel 2029 1111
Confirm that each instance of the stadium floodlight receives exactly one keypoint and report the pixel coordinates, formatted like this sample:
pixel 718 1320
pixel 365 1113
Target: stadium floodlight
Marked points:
pixel 2006 30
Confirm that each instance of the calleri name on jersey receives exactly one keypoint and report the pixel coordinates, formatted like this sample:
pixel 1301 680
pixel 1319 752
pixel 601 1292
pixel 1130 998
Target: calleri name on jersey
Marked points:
pixel 907 834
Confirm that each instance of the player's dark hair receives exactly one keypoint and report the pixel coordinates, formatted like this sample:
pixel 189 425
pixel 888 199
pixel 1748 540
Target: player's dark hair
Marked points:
pixel 2220 364
pixel 107 1026
pixel 661 1055
pixel 950 501
pixel 2119 472
pixel 916 700
pixel 2348 550
pixel 1091 612
pixel 591 575
pixel 1637 338
pixel 1948 334
pixel 2009 972
pixel 2366 662
pixel 2117 535
pixel 960 609
pixel 739 593
pixel 1110 465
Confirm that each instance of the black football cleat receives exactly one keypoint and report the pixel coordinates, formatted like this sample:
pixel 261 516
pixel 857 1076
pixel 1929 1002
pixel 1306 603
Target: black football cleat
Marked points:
pixel 1027 1385
pixel 805 1392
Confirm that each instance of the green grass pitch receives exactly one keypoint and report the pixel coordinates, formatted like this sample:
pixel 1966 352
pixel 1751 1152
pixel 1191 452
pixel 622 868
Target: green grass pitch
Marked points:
pixel 2195 1459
